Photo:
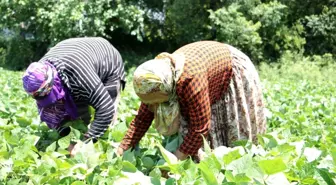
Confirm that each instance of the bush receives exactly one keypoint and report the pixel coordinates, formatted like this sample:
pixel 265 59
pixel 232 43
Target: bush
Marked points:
pixel 321 32
pixel 19 54
pixel 276 35
pixel 234 29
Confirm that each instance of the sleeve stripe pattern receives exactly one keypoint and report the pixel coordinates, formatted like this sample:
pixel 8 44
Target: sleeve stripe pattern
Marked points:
pixel 88 63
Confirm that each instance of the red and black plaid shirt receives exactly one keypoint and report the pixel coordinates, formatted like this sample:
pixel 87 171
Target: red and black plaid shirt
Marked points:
pixel 206 76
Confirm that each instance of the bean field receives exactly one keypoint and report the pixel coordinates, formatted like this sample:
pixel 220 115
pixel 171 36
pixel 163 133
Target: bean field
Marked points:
pixel 298 148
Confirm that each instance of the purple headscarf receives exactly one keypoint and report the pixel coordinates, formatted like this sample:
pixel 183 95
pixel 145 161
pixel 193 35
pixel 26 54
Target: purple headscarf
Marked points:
pixel 53 100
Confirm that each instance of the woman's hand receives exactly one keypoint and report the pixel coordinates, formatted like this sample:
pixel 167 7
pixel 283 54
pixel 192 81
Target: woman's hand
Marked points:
pixel 73 149
pixel 181 156
pixel 120 151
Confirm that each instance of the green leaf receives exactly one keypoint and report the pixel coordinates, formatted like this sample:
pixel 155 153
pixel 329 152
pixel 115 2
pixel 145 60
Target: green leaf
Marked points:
pixel 155 173
pixel 241 165
pixel 207 148
pixel 64 142
pixel 128 155
pixel 129 167
pixel 267 141
pixel 207 174
pixel 229 176
pixel 308 180
pixel 231 156
pixel 155 181
pixel 172 145
pixel 13 181
pixel 240 178
pixel 170 181
pixel 118 131
pixel 272 166
pixel 78 183
pixel 169 157
pixel 51 147
pixel 147 162
pixel 326 176
pixel 23 122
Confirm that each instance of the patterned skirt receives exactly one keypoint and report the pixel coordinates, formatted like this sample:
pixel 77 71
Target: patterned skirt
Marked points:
pixel 239 115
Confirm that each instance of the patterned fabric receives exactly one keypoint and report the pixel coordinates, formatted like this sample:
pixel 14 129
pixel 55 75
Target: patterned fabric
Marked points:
pixel 239 115
pixel 205 78
pixel 88 67
pixel 138 127
pixel 54 115
pixel 153 76
pixel 38 79
pixel 153 81
pixel 54 102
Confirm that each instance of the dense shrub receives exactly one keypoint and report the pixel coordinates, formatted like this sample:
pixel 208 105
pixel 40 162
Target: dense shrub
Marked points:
pixel 262 29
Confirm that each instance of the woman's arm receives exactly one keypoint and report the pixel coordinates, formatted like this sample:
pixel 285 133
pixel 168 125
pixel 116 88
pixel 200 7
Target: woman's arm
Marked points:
pixel 138 127
pixel 196 97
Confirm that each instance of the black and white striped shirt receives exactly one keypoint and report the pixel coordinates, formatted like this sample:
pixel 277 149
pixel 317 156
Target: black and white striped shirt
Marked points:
pixel 90 67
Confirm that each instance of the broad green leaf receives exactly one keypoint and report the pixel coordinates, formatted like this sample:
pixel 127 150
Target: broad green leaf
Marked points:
pixel 64 142
pixel 147 162
pixel 169 157
pixel 229 176
pixel 78 183
pixel 118 131
pixel 326 176
pixel 23 122
pixel 231 156
pixel 267 141
pixel 51 147
pixel 128 155
pixel 128 167
pixel 172 145
pixel 207 174
pixel 284 148
pixel 190 173
pixel 155 181
pixel 75 133
pixel 155 173
pixel 207 148
pixel 240 178
pixel 13 182
pixel 308 180
pixel 272 166
pixel 170 181
pixel 241 165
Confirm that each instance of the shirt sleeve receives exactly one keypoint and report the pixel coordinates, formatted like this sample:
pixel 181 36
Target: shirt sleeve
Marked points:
pixel 91 87
pixel 196 96
pixel 138 127
pixel 105 110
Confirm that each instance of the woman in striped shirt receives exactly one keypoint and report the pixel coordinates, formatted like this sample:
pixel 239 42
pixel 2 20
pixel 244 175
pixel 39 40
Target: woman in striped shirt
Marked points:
pixel 204 88
pixel 72 75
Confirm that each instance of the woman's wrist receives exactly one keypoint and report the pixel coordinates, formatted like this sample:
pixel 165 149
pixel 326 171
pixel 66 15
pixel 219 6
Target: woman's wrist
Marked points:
pixel 180 155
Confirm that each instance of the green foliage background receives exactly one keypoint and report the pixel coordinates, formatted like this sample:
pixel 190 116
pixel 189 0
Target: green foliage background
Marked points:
pixel 262 29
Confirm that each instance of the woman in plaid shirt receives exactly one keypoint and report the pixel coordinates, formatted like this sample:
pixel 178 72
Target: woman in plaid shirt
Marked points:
pixel 204 88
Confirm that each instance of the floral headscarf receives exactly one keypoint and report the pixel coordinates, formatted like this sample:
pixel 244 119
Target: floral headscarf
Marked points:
pixel 160 76
pixel 54 102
